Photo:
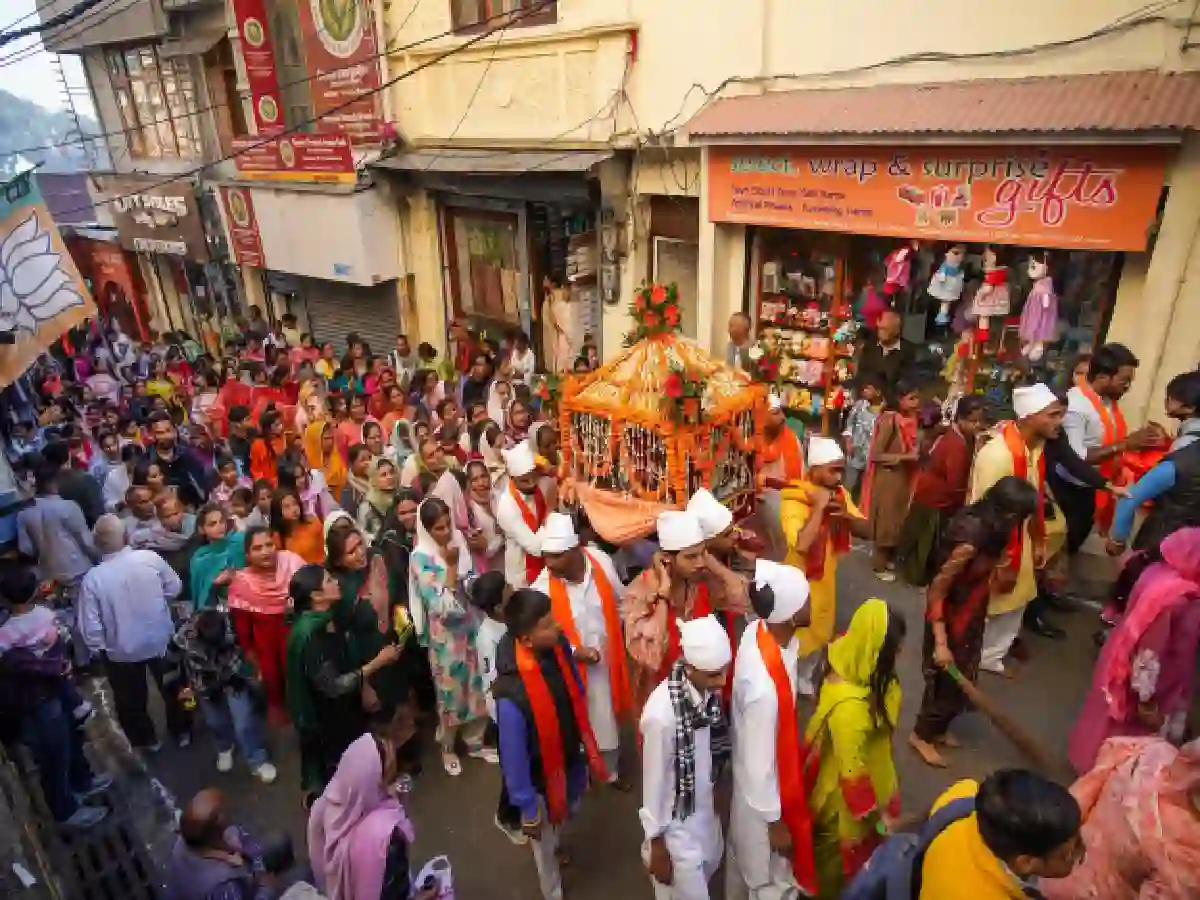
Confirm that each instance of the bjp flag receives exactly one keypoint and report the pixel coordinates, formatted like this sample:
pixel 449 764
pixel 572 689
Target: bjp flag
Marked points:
pixel 42 295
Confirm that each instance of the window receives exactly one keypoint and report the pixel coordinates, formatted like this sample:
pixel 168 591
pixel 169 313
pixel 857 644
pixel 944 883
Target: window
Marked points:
pixel 479 15
pixel 157 102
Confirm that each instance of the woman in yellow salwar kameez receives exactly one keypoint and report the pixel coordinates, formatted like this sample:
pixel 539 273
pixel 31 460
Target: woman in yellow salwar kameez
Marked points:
pixel 816 542
pixel 855 796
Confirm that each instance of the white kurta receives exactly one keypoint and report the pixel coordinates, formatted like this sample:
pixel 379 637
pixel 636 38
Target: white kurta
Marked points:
pixel 519 539
pixel 753 869
pixel 588 612
pixel 695 842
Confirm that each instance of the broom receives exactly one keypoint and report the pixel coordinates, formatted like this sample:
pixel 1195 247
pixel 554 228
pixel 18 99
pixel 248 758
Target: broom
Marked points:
pixel 1024 741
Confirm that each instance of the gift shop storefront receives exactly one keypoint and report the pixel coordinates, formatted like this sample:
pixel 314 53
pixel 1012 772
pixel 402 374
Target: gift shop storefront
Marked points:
pixel 1004 257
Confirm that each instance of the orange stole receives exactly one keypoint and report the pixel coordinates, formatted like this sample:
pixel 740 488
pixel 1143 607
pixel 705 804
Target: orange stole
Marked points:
pixel 1115 429
pixel 618 667
pixel 534 519
pixel 1020 463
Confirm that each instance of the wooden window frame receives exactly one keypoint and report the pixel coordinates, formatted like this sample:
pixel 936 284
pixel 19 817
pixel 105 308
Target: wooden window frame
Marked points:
pixel 488 14
pixel 142 124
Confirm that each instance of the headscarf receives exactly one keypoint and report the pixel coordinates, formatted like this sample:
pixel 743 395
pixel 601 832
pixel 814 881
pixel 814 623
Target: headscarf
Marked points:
pixel 427 546
pixel 351 826
pixel 493 458
pixel 1160 589
pixel 449 491
pixel 496 409
pixel 265 594
pixel 853 658
pixel 380 499
pixel 333 518
pixel 360 486
pixel 301 699
pixel 210 560
pixel 332 467
pixel 403 442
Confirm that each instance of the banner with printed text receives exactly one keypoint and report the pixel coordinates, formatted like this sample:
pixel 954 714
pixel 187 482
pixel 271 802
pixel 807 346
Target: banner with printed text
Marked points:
pixel 1088 198
pixel 42 295
pixel 341 51
pixel 259 56
pixel 243 227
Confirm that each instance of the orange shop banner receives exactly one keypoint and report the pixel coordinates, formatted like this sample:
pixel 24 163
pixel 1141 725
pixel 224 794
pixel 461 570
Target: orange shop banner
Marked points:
pixel 1089 198
pixel 311 158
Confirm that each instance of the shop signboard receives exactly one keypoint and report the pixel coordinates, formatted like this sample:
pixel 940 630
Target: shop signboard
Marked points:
pixel 152 217
pixel 1088 198
pixel 312 158
pixel 341 53
pixel 251 18
pixel 243 227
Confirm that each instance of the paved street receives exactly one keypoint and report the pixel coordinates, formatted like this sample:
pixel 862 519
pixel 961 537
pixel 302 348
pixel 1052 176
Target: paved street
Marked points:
pixel 454 816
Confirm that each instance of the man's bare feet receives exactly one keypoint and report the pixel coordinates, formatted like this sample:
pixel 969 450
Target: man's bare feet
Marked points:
pixel 949 740
pixel 927 752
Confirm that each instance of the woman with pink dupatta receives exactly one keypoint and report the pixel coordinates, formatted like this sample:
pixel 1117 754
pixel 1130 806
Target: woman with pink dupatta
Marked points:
pixel 258 605
pixel 1141 824
pixel 359 835
pixel 1143 682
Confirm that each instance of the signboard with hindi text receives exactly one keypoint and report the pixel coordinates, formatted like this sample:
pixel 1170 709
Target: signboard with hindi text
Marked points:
pixel 312 158
pixel 340 51
pixel 243 227
pixel 1088 198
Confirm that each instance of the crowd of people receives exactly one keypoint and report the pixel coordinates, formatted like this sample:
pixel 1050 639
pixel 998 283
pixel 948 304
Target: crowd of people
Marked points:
pixel 349 553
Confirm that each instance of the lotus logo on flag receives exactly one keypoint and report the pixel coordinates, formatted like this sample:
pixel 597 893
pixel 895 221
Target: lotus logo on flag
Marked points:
pixel 42 295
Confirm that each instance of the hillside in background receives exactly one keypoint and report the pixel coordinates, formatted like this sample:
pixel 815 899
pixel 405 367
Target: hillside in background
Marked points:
pixel 24 124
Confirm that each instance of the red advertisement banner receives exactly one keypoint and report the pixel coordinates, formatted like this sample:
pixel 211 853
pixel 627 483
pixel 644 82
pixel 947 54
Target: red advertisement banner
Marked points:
pixel 243 227
pixel 314 158
pixel 251 19
pixel 341 51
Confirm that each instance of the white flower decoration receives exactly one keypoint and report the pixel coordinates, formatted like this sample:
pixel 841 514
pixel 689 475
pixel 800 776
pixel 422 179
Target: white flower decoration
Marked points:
pixel 1144 678
pixel 755 353
pixel 33 286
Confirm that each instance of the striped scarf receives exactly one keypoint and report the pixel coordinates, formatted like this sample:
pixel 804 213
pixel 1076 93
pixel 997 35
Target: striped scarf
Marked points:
pixel 688 720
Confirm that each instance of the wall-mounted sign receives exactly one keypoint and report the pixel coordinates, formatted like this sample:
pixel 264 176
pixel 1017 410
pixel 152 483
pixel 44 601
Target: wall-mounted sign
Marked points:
pixel 156 218
pixel 341 52
pixel 251 17
pixel 243 227
pixel 1088 198
pixel 314 158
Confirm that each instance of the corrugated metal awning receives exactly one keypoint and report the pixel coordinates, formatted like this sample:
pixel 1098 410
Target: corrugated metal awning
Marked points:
pixel 1113 104
pixel 459 161
pixel 192 45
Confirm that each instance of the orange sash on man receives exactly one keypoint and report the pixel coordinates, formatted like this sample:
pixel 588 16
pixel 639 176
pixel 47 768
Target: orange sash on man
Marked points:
pixel 618 668
pixel 786 447
pixel 793 798
pixel 545 722
pixel 534 519
pixel 1115 429
pixel 1020 463
pixel 832 528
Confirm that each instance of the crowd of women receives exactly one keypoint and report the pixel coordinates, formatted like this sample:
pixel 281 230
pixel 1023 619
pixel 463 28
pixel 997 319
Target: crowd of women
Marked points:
pixel 360 538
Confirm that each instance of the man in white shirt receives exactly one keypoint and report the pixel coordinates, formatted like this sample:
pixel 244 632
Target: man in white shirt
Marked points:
pixel 767 827
pixel 585 595
pixel 124 614
pixel 683 845
pixel 520 512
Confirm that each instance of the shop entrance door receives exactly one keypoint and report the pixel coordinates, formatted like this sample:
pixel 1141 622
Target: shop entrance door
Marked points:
pixel 676 261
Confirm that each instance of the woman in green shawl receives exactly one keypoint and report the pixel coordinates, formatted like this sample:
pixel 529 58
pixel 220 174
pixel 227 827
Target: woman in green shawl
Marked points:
pixel 856 795
pixel 221 553
pixel 381 481
pixel 326 686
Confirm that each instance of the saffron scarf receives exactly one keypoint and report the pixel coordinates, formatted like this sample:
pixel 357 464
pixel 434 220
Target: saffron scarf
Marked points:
pixel 833 533
pixel 793 797
pixel 545 721
pixel 701 607
pixel 1020 464
pixel 1115 429
pixel 618 668
pixel 333 467
pixel 786 447
pixel 534 519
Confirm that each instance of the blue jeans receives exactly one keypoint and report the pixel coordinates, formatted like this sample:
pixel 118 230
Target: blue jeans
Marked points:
pixel 232 716
pixel 57 745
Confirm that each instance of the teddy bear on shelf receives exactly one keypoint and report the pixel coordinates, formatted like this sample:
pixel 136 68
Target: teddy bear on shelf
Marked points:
pixel 992 298
pixel 1039 318
pixel 946 286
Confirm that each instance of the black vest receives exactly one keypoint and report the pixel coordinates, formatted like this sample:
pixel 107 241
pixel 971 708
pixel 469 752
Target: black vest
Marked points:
pixel 1180 506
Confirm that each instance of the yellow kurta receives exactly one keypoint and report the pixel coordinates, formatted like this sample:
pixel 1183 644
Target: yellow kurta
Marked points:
pixel 993 462
pixel 794 512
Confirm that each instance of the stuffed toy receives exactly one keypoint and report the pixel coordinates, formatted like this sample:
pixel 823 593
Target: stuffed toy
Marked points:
pixel 898 265
pixel 992 298
pixel 1039 318
pixel 946 286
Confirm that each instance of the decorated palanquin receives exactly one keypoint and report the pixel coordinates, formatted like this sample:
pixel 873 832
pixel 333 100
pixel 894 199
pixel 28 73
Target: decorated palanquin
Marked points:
pixel 645 431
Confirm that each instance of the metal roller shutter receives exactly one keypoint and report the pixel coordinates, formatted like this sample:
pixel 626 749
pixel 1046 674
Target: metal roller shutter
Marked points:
pixel 336 309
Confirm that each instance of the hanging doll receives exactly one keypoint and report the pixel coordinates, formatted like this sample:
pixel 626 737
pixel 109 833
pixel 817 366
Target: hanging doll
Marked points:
pixel 898 266
pixel 992 297
pixel 946 286
pixel 1039 318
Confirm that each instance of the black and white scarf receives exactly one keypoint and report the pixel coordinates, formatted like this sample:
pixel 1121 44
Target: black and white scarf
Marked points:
pixel 688 720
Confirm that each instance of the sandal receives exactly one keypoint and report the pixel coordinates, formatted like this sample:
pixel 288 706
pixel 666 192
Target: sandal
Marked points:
pixel 452 764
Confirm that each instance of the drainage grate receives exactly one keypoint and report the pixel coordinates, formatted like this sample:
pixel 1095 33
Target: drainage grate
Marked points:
pixel 107 862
